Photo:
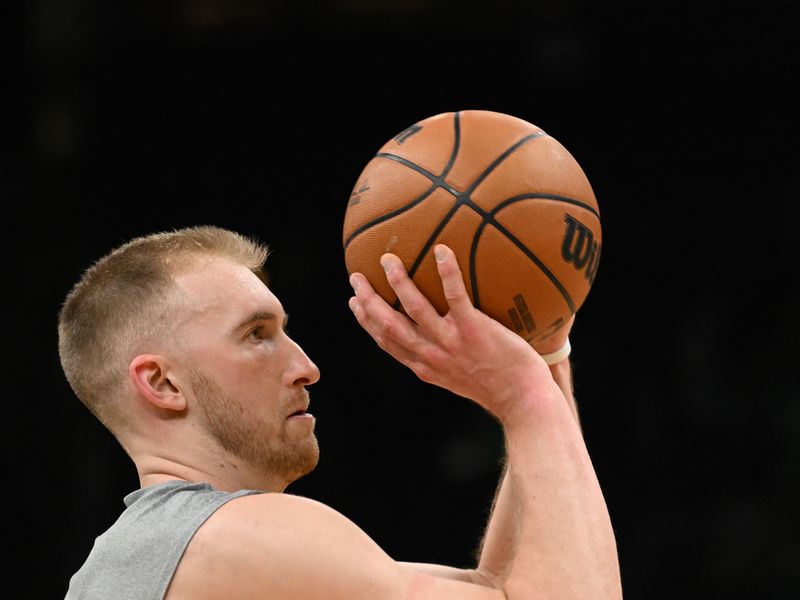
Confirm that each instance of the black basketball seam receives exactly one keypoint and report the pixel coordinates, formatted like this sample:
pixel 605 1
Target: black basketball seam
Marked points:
pixel 500 159
pixel 539 263
pixel 489 220
pixel 544 196
pixel 390 215
pixel 456 147
pixel 473 271
pixel 413 166
pixel 438 181
pixel 488 217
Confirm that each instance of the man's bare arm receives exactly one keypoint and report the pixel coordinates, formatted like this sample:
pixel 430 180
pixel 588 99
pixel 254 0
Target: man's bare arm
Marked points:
pixel 285 547
pixel 497 548
pixel 565 541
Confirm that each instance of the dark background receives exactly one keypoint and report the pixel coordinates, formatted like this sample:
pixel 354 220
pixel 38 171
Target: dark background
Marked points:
pixel 127 118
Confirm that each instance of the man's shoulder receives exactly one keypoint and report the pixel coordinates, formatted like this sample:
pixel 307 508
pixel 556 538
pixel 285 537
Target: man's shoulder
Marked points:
pixel 268 517
pixel 259 540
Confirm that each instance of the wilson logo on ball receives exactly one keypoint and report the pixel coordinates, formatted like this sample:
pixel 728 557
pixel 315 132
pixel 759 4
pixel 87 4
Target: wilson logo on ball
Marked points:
pixel 580 248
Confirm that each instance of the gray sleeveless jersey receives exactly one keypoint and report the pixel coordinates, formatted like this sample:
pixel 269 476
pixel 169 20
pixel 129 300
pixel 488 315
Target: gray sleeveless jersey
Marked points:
pixel 137 556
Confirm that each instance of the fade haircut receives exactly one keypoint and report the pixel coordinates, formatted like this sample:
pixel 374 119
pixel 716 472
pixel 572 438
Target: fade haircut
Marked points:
pixel 124 302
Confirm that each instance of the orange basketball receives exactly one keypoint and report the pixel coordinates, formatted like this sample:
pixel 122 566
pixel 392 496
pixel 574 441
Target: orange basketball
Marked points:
pixel 513 204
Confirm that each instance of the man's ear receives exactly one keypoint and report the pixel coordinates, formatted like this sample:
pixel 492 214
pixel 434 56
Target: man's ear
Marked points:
pixel 149 376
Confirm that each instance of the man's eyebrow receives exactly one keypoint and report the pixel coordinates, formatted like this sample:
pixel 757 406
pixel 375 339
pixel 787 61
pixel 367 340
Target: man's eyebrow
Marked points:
pixel 261 315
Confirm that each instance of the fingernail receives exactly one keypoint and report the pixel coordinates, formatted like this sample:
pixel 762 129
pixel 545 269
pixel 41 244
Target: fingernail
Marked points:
pixel 439 253
pixel 386 263
pixel 354 282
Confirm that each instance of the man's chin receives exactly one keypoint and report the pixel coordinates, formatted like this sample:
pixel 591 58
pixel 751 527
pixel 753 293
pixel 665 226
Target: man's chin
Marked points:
pixel 306 461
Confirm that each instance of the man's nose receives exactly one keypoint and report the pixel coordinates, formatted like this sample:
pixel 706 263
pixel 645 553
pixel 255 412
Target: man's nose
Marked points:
pixel 305 372
pixel 311 375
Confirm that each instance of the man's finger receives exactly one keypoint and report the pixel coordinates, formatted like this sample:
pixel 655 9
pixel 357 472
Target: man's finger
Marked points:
pixel 414 302
pixel 452 281
pixel 379 319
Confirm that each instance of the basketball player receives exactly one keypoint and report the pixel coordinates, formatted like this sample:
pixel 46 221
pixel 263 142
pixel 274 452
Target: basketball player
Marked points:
pixel 177 346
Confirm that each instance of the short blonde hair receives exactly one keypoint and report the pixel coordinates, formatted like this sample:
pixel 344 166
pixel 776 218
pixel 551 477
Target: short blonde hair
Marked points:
pixel 126 298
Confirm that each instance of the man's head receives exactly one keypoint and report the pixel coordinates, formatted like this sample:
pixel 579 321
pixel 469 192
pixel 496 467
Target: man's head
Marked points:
pixel 179 327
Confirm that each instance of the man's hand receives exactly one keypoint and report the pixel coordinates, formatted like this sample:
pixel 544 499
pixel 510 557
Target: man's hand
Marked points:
pixel 464 351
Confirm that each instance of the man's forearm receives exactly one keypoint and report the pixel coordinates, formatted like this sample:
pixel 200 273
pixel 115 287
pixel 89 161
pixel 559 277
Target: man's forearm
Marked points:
pixel 550 516
pixel 565 546
pixel 496 551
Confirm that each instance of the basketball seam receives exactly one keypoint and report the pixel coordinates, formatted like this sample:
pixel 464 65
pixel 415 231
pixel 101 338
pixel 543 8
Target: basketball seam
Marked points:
pixel 545 196
pixel 390 215
pixel 496 162
pixel 438 181
pixel 443 223
pixel 489 220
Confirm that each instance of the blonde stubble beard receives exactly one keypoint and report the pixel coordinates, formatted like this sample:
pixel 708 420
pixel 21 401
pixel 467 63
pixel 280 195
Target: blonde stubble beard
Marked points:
pixel 239 433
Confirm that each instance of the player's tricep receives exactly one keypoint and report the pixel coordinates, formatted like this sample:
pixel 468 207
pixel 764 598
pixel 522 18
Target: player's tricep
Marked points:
pixel 284 546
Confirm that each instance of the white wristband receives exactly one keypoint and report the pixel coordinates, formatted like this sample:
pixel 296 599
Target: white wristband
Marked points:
pixel 558 355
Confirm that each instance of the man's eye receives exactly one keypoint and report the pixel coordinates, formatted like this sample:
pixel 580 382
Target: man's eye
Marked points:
pixel 257 333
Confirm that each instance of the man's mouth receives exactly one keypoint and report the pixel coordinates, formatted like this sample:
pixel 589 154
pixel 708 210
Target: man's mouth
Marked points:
pixel 302 403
